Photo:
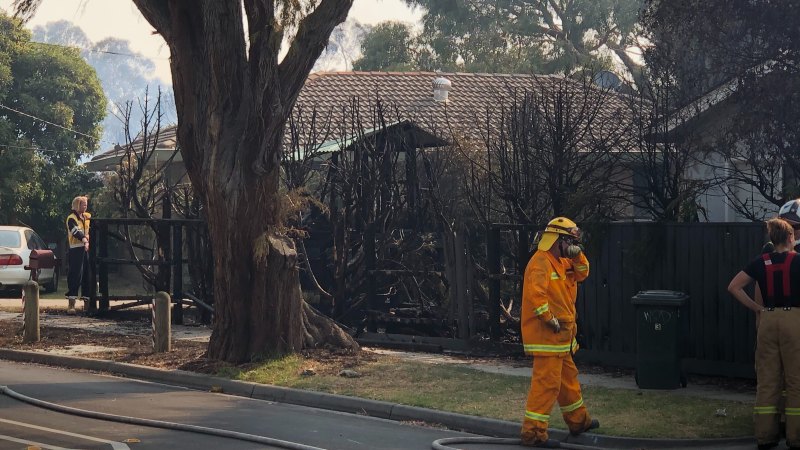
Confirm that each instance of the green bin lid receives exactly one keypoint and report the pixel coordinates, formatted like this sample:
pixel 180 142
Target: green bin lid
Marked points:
pixel 660 298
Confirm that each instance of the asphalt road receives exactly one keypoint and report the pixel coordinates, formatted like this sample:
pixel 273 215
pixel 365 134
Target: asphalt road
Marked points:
pixel 23 425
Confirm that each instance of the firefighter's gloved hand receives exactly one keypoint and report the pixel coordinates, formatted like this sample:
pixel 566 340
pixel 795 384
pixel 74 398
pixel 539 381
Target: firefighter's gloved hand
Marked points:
pixel 573 250
pixel 554 325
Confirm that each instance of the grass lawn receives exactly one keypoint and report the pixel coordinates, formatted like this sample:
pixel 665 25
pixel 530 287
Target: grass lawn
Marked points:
pixel 622 412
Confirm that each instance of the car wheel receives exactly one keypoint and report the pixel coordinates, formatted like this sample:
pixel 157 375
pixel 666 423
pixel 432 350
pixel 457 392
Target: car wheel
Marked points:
pixel 52 286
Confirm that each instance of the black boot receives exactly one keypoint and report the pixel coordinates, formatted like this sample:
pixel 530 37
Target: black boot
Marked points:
pixel 592 425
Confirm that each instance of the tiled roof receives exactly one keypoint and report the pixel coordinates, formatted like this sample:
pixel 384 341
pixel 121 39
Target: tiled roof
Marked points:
pixel 409 96
pixel 167 142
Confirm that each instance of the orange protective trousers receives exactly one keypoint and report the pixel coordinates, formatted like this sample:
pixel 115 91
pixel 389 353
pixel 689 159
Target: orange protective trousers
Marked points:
pixel 778 366
pixel 554 378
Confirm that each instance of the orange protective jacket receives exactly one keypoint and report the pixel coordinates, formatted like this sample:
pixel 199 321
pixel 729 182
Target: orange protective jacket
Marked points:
pixel 549 290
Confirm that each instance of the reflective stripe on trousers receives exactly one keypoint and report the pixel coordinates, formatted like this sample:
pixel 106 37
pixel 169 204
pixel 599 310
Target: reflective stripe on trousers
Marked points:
pixel 777 368
pixel 554 378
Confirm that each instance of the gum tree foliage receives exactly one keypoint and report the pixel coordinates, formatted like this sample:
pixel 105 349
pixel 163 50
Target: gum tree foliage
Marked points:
pixel 524 36
pixel 387 46
pixel 234 94
pixel 57 92
pixel 749 53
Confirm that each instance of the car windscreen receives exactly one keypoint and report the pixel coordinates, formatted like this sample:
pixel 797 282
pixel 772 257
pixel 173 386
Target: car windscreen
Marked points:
pixel 10 238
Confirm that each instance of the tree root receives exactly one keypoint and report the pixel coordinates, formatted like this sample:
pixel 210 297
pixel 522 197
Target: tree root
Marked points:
pixel 320 331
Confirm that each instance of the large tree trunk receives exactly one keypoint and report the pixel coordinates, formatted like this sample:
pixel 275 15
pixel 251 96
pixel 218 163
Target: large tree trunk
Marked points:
pixel 233 102
pixel 263 311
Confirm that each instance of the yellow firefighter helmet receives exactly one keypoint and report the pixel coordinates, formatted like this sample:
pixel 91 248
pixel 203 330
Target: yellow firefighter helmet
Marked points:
pixel 556 227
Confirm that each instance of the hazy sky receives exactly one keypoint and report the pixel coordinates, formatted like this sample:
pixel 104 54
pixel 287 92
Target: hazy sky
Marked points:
pixel 120 18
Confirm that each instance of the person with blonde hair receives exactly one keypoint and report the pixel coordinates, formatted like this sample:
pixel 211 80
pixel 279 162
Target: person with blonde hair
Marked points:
pixel 78 224
pixel 778 337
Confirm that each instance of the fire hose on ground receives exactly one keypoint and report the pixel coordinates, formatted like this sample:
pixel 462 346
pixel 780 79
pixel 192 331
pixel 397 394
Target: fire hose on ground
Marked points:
pixel 155 423
pixel 440 444
pixel 444 444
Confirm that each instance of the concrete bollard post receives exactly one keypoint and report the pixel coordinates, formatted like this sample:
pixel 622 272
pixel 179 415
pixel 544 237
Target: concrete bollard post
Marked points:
pixel 162 328
pixel 30 313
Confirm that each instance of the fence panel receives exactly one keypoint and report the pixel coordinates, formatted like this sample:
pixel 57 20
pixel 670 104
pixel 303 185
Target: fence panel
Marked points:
pixel 699 259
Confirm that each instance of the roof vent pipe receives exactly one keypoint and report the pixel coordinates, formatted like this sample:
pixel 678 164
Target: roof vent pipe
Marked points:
pixel 441 88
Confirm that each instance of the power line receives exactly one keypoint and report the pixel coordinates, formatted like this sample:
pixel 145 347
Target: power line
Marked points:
pixel 38 149
pixel 47 122
pixel 132 55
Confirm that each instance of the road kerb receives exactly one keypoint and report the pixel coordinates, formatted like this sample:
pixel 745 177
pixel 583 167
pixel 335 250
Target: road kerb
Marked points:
pixel 373 408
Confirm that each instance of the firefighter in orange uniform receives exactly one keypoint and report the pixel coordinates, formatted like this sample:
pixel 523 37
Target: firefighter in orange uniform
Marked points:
pixel 548 332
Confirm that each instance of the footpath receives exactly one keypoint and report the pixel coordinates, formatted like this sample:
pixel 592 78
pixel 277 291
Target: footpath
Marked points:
pixel 71 357
pixel 202 334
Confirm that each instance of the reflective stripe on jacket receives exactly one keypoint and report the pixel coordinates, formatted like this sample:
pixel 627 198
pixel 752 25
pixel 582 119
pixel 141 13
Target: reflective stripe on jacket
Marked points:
pixel 77 228
pixel 549 290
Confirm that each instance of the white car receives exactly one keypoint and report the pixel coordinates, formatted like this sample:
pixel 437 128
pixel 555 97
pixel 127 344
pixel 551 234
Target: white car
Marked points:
pixel 16 244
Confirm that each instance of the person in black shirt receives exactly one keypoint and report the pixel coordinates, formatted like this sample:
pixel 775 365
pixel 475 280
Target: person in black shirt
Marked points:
pixel 778 338
pixel 790 212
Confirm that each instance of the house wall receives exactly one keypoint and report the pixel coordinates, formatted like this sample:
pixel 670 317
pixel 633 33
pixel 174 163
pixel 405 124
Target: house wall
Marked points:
pixel 706 129
pixel 716 200
pixel 629 211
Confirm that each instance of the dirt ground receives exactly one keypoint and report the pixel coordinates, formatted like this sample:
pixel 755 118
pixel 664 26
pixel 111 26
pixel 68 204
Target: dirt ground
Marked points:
pixel 129 349
pixel 136 346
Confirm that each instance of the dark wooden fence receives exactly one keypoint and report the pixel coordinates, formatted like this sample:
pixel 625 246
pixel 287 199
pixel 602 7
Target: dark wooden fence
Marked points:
pixel 699 259
pixel 167 260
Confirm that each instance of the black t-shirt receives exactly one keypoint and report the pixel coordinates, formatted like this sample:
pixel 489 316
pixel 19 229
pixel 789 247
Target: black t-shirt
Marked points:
pixel 757 270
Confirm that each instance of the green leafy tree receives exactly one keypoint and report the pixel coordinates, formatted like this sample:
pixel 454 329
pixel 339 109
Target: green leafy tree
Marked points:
pixel 13 184
pixel 543 36
pixel 234 93
pixel 387 46
pixel 52 105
